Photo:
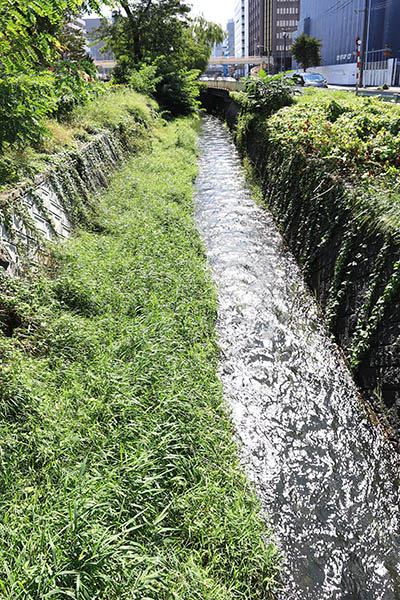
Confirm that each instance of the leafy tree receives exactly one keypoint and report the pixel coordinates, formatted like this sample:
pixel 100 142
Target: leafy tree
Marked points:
pixel 29 31
pixel 160 33
pixel 307 51
pixel 34 80
pixel 142 31
pixel 25 101
pixel 197 42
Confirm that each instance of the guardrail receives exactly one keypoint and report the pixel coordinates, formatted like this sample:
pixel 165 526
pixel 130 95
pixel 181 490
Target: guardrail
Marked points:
pixel 224 84
pixel 387 96
pixel 237 86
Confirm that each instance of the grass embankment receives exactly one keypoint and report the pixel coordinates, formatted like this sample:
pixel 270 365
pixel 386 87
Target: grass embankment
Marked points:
pixel 118 474
pixel 117 110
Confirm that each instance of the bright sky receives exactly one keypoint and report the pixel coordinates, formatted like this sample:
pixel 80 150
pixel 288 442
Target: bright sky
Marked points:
pixel 218 11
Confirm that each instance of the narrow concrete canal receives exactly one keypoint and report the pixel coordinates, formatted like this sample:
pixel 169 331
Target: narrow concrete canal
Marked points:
pixel 323 473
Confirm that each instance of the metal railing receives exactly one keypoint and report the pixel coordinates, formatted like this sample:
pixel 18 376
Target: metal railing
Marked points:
pixel 224 84
pixel 237 86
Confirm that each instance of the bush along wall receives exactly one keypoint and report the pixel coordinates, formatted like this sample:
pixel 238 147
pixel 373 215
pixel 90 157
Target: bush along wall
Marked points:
pixel 63 197
pixel 329 173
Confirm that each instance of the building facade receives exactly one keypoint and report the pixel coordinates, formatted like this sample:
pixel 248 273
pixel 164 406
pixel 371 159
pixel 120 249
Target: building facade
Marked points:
pixel 338 24
pixel 256 27
pixel 285 18
pixel 242 32
pixel 271 26
pixel 230 37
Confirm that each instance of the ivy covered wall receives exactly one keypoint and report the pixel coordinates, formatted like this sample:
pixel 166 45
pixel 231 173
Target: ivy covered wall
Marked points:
pixel 51 206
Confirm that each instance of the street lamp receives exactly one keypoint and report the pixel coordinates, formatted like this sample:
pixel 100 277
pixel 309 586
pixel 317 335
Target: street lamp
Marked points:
pixel 285 38
pixel 268 58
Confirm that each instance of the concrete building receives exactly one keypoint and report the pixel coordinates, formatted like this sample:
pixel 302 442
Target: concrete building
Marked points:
pixel 217 50
pixel 242 32
pixel 271 25
pixel 256 27
pixel 285 18
pixel 104 62
pixel 338 24
pixel 230 37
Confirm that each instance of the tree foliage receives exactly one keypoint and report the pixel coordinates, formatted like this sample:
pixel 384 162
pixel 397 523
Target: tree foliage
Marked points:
pixel 266 94
pixel 160 33
pixel 25 101
pixel 40 67
pixel 307 51
pixel 145 30
pixel 29 31
pixel 73 48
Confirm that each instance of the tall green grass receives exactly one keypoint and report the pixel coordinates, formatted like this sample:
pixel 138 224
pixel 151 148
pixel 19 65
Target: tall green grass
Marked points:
pixel 119 109
pixel 118 474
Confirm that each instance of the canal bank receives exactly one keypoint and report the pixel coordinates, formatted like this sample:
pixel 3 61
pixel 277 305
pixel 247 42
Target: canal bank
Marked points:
pixel 343 235
pixel 325 475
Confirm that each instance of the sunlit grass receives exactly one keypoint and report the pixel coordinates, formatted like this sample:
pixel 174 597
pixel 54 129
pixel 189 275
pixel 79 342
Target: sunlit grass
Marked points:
pixel 118 474
pixel 114 110
pixel 121 110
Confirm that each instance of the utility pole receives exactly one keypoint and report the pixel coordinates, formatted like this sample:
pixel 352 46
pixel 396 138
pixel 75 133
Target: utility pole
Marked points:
pixel 358 42
pixel 364 48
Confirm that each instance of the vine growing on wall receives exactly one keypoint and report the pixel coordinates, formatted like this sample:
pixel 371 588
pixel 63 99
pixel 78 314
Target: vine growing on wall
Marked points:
pixel 71 185
pixel 371 316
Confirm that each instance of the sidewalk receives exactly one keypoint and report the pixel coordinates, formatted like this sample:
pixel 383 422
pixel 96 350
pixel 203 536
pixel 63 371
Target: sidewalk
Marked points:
pixel 352 88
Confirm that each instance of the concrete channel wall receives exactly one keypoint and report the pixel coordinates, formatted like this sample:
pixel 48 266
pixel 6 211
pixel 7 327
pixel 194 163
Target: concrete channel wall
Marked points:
pixel 354 273
pixel 45 209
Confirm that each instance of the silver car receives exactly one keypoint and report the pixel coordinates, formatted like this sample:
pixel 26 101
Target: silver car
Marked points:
pixel 310 80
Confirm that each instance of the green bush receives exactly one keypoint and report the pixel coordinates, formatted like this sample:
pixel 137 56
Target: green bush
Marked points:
pixel 355 140
pixel 145 80
pixel 266 94
pixel 178 92
pixel 71 89
pixel 25 102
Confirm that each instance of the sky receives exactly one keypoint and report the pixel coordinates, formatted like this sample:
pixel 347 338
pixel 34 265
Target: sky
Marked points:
pixel 218 11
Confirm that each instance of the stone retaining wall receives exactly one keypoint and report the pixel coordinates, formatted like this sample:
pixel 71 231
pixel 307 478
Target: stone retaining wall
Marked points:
pixel 45 209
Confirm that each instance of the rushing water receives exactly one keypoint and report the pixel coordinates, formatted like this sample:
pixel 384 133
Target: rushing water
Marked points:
pixel 323 473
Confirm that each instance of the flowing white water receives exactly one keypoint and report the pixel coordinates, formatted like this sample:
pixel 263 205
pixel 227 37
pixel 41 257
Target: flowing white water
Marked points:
pixel 325 476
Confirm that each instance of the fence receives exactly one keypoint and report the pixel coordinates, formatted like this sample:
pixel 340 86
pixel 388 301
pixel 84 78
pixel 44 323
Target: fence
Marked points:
pixel 379 69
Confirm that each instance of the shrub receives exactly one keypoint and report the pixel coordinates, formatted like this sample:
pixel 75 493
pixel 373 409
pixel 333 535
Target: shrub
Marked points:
pixel 267 94
pixel 144 80
pixel 71 89
pixel 178 92
pixel 25 101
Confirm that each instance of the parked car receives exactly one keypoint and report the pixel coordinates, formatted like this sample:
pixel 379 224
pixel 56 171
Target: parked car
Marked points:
pixel 310 79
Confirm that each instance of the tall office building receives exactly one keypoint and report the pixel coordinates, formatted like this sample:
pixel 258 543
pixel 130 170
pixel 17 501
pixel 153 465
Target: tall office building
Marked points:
pixel 230 37
pixel 256 27
pixel 285 18
pixel 271 25
pixel 242 32
pixel 337 24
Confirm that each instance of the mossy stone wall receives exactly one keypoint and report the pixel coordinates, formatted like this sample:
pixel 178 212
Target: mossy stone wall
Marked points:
pixel 49 207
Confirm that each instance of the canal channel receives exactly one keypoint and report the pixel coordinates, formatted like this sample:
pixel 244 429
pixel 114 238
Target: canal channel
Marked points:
pixel 325 475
